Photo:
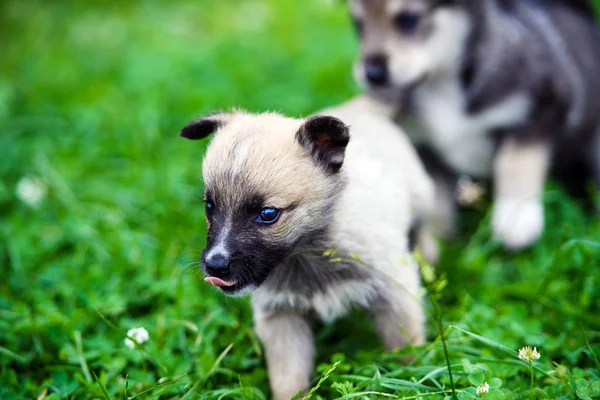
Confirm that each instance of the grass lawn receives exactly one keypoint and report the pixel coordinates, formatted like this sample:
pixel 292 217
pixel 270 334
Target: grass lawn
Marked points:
pixel 109 226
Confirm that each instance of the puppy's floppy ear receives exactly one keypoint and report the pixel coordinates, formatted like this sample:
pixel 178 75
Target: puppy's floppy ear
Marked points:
pixel 325 139
pixel 204 126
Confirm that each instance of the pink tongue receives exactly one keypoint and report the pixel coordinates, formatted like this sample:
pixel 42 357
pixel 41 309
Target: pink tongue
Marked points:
pixel 213 280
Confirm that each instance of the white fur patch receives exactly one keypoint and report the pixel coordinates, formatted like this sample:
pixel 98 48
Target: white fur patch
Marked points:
pixel 463 139
pixel 245 291
pixel 518 223
pixel 220 247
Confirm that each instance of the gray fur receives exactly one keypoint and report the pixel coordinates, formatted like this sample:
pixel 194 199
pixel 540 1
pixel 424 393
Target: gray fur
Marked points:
pixel 516 80
pixel 544 49
pixel 310 274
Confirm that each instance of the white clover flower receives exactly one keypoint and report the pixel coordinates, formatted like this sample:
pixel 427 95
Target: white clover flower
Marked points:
pixel 529 354
pixel 140 335
pixel 468 192
pixel 31 191
pixel 483 388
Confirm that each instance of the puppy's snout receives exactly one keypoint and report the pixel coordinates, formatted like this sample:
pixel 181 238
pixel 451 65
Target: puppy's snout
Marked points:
pixel 376 69
pixel 218 265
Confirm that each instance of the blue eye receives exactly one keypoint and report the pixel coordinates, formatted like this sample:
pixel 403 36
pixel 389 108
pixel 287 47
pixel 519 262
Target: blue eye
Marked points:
pixel 209 206
pixel 407 22
pixel 268 215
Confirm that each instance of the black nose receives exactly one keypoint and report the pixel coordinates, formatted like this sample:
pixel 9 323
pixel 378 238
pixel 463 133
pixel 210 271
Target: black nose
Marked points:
pixel 376 69
pixel 217 265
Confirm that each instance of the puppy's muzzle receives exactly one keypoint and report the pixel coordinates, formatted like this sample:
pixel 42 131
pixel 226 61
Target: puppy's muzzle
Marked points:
pixel 376 70
pixel 218 270
pixel 218 265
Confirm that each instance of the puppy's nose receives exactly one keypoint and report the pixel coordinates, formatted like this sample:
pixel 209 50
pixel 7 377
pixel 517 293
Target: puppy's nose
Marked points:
pixel 217 265
pixel 376 69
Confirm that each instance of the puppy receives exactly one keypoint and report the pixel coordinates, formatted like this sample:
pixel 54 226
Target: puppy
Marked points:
pixel 499 88
pixel 313 218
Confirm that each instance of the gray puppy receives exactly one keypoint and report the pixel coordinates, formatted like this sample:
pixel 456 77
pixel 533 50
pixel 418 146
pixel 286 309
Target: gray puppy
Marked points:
pixel 500 88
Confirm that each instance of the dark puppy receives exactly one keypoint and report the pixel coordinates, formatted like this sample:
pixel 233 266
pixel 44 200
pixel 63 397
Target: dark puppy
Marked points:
pixel 501 88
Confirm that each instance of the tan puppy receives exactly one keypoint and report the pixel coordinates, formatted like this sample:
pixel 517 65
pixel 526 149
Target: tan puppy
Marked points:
pixel 281 192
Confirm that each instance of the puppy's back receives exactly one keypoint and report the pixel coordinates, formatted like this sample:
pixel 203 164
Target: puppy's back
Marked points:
pixel 388 189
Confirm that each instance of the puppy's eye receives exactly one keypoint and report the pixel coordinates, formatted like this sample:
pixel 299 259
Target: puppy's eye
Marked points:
pixel 209 207
pixel 407 22
pixel 268 215
pixel 358 26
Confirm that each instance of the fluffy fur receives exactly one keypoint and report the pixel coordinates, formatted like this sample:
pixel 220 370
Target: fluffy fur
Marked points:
pixel 360 198
pixel 490 81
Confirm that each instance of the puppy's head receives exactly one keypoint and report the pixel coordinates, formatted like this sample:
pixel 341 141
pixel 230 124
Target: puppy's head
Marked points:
pixel 270 183
pixel 406 42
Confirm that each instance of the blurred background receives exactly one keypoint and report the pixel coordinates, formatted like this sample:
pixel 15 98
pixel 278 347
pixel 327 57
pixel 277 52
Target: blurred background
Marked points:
pixel 101 219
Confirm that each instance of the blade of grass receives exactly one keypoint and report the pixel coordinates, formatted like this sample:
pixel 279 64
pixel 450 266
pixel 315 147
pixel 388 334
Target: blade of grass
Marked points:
pixel 20 359
pixel 415 397
pixel 81 357
pixel 436 371
pixel 360 394
pixel 190 393
pixel 592 353
pixel 433 289
pixel 126 387
pixel 160 385
pixel 443 339
pixel 489 342
pixel 226 393
pixel 401 384
pixel 321 381
pixel 102 388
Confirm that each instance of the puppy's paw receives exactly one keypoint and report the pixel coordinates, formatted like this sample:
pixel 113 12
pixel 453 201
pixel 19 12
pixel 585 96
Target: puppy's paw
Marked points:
pixel 518 224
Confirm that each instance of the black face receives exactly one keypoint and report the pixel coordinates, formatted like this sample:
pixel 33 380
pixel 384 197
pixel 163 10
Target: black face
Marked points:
pixel 241 249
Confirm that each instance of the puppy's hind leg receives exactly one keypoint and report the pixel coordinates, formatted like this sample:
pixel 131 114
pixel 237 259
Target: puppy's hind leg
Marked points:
pixel 289 350
pixel 399 319
pixel 443 216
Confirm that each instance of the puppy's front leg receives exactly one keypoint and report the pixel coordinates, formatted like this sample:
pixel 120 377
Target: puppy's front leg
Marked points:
pixel 442 217
pixel 289 349
pixel 520 170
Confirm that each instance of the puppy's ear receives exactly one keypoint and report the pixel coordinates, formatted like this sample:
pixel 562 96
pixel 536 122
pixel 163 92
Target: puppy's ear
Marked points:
pixel 325 139
pixel 204 126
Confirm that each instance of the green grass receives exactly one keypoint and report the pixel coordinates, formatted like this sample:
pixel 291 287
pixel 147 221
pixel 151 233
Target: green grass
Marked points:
pixel 91 101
